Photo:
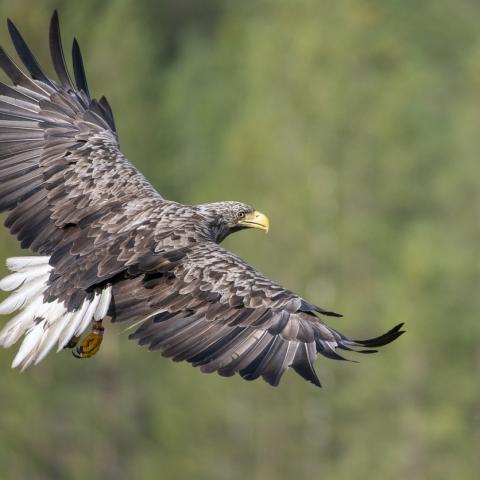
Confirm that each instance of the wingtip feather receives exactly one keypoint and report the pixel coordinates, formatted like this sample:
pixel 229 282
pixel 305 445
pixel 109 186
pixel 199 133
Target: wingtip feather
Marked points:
pixel 384 339
pixel 56 52
pixel 78 68
pixel 26 54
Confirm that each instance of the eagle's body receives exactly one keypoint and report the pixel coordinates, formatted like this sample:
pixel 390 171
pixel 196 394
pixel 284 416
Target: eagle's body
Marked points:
pixel 110 244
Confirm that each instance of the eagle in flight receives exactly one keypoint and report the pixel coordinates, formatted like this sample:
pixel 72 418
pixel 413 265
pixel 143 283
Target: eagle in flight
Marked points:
pixel 107 244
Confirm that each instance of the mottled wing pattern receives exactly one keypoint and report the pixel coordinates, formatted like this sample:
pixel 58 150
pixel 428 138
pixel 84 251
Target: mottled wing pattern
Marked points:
pixel 63 179
pixel 59 156
pixel 205 305
pixel 126 240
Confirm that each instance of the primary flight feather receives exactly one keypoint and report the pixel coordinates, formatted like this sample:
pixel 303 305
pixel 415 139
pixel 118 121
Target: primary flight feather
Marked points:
pixel 108 244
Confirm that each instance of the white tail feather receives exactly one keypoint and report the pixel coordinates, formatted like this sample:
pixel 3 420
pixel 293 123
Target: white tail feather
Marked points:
pixel 55 324
pixel 43 324
pixel 18 264
pixel 32 338
pixel 88 315
pixel 78 318
pixel 22 296
pixel 17 279
pixel 103 304
pixel 49 339
pixel 19 324
pixel 67 333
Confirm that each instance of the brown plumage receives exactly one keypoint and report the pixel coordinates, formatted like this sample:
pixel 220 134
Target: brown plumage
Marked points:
pixel 113 244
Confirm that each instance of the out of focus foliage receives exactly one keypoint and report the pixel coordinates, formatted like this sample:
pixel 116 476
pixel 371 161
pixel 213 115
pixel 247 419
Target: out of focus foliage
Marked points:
pixel 355 125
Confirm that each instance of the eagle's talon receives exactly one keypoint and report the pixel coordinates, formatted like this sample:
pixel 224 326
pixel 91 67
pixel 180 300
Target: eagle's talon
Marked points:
pixel 72 343
pixel 90 345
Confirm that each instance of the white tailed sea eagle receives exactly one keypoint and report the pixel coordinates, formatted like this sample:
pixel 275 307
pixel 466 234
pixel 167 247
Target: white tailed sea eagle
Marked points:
pixel 109 245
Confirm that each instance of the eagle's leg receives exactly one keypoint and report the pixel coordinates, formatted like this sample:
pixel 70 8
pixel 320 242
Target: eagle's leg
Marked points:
pixel 72 343
pixel 90 345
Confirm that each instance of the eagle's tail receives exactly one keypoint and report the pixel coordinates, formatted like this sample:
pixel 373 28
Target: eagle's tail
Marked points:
pixel 42 323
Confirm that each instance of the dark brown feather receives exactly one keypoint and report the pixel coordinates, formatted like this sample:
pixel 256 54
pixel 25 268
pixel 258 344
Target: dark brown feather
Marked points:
pixel 56 52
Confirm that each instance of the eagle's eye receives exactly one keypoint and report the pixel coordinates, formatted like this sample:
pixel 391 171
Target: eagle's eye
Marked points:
pixel 241 214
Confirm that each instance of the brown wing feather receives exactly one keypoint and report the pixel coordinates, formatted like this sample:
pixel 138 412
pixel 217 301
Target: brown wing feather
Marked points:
pixel 60 163
pixel 213 310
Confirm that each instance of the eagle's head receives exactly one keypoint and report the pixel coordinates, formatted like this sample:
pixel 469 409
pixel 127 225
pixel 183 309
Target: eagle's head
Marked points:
pixel 225 218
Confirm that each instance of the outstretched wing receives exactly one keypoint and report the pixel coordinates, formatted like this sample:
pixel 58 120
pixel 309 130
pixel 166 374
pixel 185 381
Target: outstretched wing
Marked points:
pixel 60 160
pixel 71 196
pixel 207 306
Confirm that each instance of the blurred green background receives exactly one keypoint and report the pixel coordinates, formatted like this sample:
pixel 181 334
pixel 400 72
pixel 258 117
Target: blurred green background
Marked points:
pixel 355 125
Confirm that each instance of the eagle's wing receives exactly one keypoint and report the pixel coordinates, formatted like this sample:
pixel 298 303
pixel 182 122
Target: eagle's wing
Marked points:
pixel 207 306
pixel 60 160
pixel 68 191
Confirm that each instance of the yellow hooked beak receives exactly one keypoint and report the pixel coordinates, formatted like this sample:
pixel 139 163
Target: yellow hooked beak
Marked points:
pixel 255 220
